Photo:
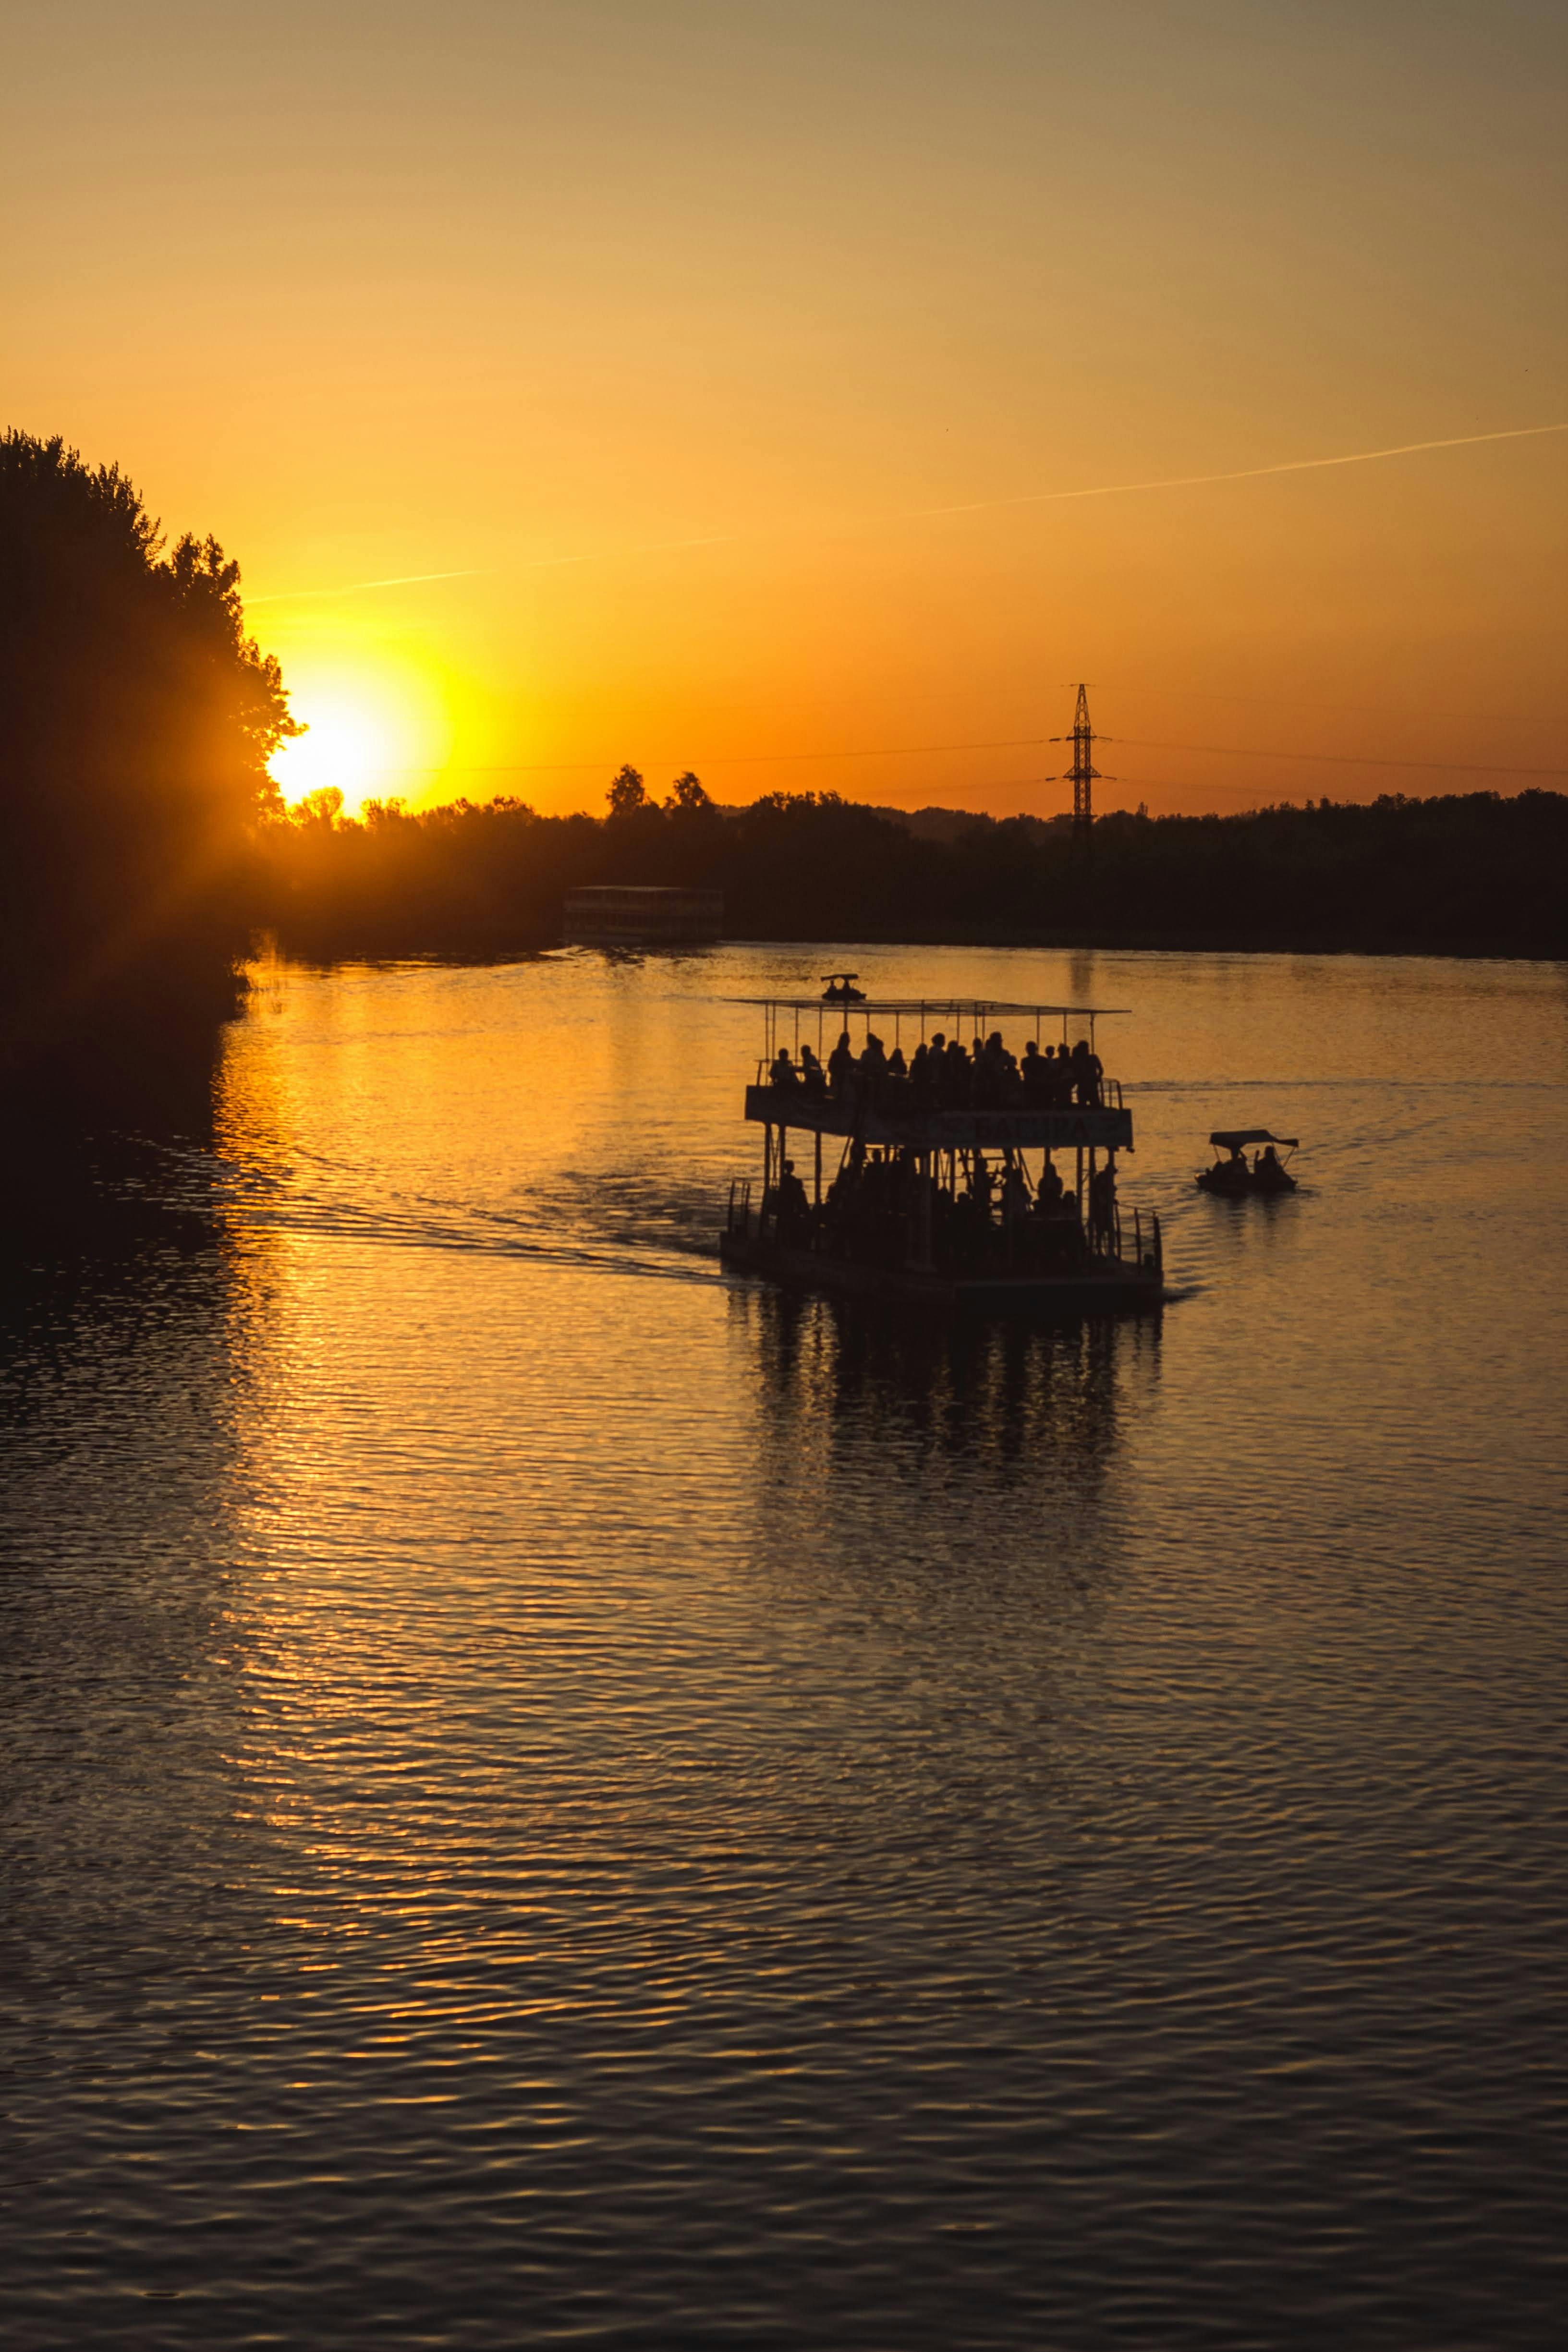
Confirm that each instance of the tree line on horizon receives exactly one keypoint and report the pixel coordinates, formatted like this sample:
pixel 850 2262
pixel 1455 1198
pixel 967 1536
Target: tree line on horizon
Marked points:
pixel 1457 873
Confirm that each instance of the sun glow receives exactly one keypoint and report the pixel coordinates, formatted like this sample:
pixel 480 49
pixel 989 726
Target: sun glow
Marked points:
pixel 374 735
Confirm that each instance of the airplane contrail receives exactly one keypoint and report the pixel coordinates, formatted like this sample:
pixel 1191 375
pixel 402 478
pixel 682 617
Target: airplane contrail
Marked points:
pixel 354 587
pixel 1243 473
pixel 908 514
pixel 1047 497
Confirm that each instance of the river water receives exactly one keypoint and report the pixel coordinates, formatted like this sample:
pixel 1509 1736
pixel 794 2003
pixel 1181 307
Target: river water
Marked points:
pixel 555 1797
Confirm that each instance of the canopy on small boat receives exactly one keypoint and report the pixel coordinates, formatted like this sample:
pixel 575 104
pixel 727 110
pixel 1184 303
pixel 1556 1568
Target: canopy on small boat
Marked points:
pixel 1232 1139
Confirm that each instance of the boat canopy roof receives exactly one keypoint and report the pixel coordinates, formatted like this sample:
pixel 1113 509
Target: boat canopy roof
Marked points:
pixel 952 1008
pixel 1231 1139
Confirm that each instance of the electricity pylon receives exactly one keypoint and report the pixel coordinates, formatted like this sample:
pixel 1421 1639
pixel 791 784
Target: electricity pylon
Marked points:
pixel 1083 773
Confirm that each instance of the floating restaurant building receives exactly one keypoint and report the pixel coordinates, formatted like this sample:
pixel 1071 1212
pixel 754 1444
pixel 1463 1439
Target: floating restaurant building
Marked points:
pixel 618 914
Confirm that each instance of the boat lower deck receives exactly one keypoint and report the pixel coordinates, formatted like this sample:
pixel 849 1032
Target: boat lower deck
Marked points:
pixel 1105 1285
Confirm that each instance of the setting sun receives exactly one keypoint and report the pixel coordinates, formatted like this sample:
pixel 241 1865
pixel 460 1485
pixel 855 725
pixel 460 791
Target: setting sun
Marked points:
pixel 374 735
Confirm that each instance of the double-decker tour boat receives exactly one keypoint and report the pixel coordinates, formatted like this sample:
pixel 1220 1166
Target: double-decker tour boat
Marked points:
pixel 967 1175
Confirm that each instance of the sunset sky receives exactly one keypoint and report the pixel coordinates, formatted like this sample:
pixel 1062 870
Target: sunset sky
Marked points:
pixel 727 364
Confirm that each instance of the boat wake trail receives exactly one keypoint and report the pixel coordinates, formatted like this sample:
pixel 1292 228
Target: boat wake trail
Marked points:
pixel 615 1223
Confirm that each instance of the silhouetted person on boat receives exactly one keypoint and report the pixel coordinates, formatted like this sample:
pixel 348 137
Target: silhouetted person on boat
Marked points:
pixel 897 1066
pixel 813 1079
pixel 783 1072
pixel 1102 1199
pixel 1033 1071
pixel 841 1066
pixel 1082 1064
pixel 1003 1065
pixel 794 1209
pixel 873 1064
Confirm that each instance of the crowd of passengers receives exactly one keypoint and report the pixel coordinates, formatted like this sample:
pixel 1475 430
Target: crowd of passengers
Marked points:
pixel 943 1077
pixel 993 1216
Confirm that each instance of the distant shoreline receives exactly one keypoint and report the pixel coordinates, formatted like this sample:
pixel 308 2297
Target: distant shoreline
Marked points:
pixel 1471 877
pixel 508 947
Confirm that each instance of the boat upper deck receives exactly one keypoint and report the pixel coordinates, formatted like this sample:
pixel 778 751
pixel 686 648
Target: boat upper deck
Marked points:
pixel 959 1097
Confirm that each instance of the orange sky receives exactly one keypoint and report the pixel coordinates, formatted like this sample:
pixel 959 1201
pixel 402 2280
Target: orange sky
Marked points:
pixel 663 328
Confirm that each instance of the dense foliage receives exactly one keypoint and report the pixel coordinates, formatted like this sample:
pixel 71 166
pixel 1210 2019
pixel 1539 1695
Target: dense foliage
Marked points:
pixel 1475 873
pixel 136 720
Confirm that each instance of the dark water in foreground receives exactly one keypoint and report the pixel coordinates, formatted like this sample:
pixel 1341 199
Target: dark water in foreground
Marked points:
pixel 552 1798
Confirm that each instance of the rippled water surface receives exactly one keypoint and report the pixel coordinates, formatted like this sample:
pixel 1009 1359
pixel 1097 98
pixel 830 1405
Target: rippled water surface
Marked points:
pixel 555 1797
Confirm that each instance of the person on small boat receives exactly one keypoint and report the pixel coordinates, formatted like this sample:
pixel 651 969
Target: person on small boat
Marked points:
pixel 1231 1175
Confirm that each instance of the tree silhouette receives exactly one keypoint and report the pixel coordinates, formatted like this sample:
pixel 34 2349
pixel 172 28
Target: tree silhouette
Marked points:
pixel 687 794
pixel 136 721
pixel 627 792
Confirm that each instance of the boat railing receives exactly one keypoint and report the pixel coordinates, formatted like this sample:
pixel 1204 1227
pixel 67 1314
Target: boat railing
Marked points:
pixel 1147 1243
pixel 738 1220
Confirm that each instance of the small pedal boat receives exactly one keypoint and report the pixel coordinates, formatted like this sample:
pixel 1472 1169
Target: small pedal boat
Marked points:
pixel 1236 1178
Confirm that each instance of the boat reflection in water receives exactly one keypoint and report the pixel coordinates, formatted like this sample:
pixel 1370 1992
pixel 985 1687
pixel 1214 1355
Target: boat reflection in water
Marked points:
pixel 905 1454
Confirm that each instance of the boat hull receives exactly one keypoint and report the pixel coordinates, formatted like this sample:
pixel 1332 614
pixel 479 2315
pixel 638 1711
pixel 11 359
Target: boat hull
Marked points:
pixel 1113 1287
pixel 1247 1188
